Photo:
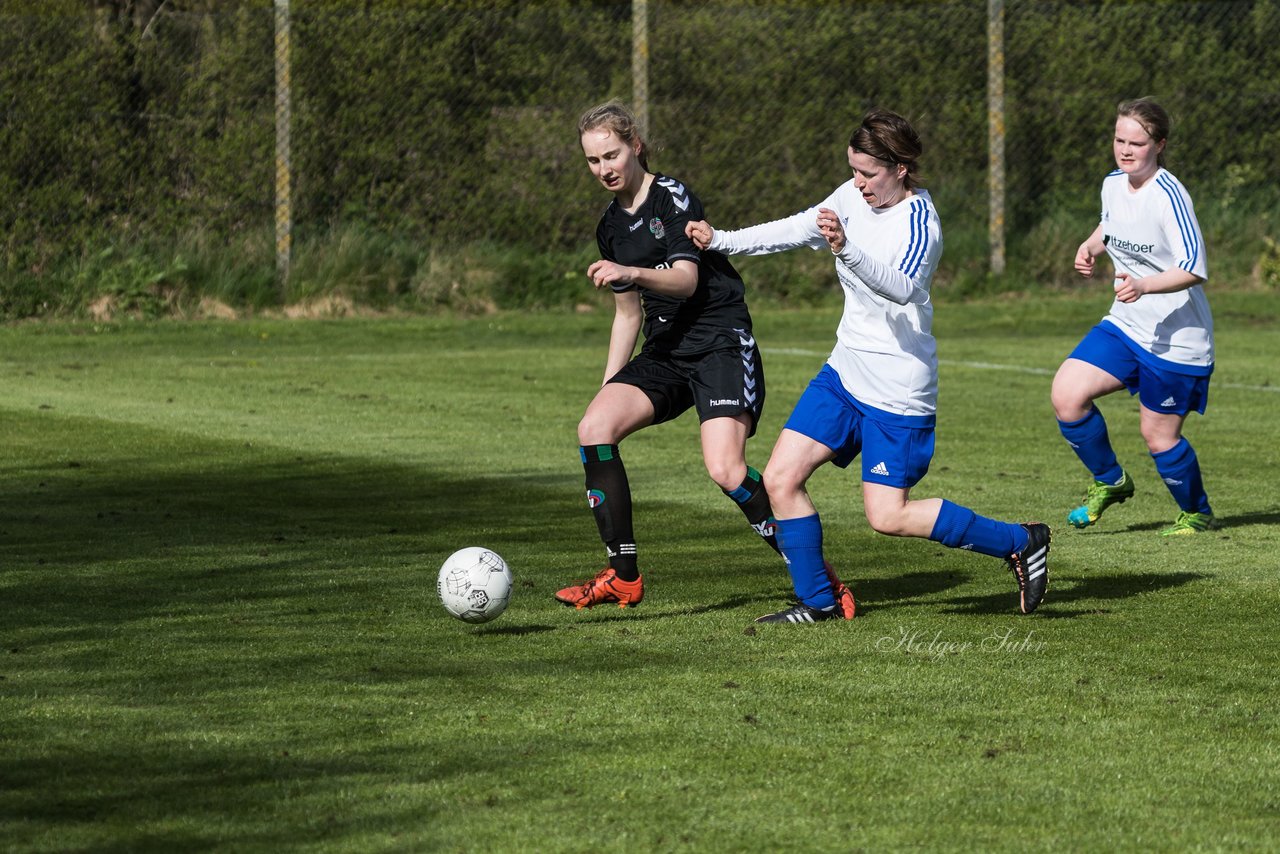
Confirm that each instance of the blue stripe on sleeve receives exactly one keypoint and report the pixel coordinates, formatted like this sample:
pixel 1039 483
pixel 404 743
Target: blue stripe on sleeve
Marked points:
pixel 924 238
pixel 1190 243
pixel 1184 221
pixel 922 222
pixel 911 242
pixel 919 243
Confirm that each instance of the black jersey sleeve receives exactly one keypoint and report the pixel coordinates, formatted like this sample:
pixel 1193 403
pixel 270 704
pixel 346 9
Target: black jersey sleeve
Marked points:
pixel 677 205
pixel 603 241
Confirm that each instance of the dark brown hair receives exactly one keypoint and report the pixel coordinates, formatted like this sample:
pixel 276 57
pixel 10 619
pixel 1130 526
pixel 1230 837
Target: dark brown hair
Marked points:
pixel 889 137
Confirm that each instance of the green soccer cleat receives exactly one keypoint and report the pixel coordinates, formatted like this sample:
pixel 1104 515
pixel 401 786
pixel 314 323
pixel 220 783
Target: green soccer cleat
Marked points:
pixel 1191 523
pixel 1099 497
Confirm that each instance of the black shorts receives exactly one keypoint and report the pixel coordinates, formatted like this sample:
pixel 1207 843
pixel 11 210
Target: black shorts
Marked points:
pixel 720 383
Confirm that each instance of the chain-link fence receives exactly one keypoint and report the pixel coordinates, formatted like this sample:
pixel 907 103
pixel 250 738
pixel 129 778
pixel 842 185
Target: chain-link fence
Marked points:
pixel 449 125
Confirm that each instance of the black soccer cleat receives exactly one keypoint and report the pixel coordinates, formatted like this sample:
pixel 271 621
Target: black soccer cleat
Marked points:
pixel 799 613
pixel 1031 567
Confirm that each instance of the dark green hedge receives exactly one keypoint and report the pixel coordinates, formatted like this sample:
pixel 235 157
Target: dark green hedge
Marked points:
pixel 451 123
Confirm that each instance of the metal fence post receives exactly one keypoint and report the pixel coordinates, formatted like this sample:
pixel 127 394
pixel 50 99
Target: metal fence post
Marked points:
pixel 640 63
pixel 995 133
pixel 284 200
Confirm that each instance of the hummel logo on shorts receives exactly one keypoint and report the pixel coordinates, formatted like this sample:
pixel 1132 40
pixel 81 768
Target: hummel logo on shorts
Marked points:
pixel 1169 401
pixel 880 469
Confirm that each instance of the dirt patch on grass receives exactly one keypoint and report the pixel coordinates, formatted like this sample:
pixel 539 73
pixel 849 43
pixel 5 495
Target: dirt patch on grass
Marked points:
pixel 327 306
pixel 213 309
pixel 104 308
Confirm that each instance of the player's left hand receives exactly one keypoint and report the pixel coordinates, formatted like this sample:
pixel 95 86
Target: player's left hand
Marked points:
pixel 1128 289
pixel 831 228
pixel 605 273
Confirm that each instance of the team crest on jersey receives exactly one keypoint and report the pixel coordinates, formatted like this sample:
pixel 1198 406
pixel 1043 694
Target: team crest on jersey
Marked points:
pixel 656 228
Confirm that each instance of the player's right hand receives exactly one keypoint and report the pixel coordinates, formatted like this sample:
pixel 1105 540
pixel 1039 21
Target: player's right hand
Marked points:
pixel 1084 261
pixel 605 273
pixel 700 232
pixel 832 229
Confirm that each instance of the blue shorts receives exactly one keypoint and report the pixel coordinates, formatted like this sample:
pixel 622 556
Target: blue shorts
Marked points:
pixel 1159 389
pixel 896 449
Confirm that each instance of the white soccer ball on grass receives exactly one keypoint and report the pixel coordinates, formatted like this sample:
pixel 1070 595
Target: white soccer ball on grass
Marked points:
pixel 474 585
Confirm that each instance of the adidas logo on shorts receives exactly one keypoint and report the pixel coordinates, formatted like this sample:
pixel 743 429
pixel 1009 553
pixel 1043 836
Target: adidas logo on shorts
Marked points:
pixel 881 469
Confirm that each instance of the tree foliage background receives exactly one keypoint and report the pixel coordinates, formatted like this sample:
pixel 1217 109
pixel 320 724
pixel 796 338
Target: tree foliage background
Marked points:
pixel 449 124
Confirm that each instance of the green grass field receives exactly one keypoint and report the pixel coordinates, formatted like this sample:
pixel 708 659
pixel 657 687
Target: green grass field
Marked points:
pixel 219 628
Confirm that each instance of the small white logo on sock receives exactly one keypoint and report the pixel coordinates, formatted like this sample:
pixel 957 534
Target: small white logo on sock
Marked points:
pixel 880 469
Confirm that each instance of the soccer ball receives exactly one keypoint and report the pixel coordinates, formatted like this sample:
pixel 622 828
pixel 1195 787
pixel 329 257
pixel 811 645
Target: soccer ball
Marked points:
pixel 474 585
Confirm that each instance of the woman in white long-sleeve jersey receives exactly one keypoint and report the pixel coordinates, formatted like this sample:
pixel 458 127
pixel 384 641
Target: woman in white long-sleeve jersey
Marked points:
pixel 876 395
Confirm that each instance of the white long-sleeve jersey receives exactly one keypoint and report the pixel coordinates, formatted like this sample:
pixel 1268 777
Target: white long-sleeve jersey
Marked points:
pixel 1148 232
pixel 885 353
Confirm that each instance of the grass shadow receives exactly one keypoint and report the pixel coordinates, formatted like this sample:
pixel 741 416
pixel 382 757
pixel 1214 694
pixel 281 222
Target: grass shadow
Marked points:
pixel 203 531
pixel 1239 520
pixel 905 590
pixel 1088 588
pixel 1270 516
pixel 605 614
pixel 514 631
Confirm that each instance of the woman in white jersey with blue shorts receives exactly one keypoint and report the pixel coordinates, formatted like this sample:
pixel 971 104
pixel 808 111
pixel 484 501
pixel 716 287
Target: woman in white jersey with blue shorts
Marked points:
pixel 876 395
pixel 1157 340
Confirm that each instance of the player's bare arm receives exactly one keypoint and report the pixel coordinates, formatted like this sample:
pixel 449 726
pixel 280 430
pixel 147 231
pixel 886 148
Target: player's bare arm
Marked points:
pixel 679 280
pixel 1130 288
pixel 1090 249
pixel 628 315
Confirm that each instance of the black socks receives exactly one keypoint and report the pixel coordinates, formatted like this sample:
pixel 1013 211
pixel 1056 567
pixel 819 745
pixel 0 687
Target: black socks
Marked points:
pixel 609 496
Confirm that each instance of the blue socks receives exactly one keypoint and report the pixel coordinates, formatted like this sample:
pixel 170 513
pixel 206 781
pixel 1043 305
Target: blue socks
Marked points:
pixel 801 543
pixel 956 527
pixel 1180 469
pixel 960 528
pixel 1088 438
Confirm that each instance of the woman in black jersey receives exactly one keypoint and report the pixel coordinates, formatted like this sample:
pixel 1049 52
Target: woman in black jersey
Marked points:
pixel 698 349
